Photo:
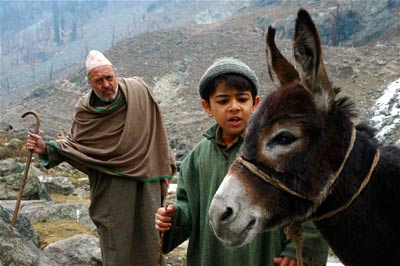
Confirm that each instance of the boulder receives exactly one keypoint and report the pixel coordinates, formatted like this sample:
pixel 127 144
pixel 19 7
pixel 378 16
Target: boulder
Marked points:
pixel 15 250
pixel 23 225
pixel 11 173
pixel 50 211
pixel 77 250
pixel 57 184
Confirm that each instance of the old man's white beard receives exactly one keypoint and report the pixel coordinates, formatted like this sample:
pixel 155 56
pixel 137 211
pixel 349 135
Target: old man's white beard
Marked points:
pixel 108 100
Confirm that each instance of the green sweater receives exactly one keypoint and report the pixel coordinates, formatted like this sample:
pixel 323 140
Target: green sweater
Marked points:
pixel 201 173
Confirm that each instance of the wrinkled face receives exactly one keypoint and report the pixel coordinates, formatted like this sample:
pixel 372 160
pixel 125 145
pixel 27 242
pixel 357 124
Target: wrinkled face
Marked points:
pixel 275 143
pixel 231 109
pixel 103 81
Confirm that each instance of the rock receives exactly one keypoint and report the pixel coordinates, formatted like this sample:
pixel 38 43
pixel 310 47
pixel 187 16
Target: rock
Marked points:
pixel 16 251
pixel 77 250
pixel 82 191
pixel 9 166
pixel 177 257
pixel 15 143
pixel 23 225
pixel 45 211
pixel 50 211
pixel 345 71
pixel 5 127
pixel 57 184
pixel 11 173
pixel 181 154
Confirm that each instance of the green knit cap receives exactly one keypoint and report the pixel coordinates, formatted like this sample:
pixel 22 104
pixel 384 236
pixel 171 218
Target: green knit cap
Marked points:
pixel 227 65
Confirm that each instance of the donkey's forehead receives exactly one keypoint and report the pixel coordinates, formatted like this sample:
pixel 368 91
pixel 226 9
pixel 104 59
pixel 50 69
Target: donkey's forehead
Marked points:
pixel 290 109
pixel 292 101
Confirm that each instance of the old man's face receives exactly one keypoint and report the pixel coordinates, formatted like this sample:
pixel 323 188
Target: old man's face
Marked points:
pixel 103 81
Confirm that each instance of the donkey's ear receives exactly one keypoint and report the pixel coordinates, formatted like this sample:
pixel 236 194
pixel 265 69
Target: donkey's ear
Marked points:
pixel 279 68
pixel 308 55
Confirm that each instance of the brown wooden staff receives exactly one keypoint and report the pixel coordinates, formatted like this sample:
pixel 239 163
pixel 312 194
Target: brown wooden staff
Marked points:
pixel 160 247
pixel 28 163
pixel 164 192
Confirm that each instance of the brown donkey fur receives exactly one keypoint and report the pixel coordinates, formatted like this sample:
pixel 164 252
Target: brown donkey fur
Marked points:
pixel 299 137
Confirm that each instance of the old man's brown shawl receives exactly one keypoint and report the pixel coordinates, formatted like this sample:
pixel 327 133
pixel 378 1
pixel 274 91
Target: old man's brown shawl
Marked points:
pixel 125 138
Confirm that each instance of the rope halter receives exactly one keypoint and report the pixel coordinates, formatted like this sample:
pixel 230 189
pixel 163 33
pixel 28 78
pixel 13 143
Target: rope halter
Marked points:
pixel 294 230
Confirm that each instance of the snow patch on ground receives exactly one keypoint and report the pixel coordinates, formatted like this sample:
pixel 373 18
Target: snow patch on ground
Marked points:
pixel 387 110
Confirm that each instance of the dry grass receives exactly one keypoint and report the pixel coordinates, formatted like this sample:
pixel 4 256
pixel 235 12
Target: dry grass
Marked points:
pixel 60 198
pixel 54 231
pixel 12 151
pixel 51 232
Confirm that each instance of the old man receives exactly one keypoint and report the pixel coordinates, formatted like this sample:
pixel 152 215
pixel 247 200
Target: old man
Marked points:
pixel 118 139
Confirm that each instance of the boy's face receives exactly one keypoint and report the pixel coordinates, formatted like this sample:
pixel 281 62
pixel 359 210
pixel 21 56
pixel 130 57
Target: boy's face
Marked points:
pixel 231 109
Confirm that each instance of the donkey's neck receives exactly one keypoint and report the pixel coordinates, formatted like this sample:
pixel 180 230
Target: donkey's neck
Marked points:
pixel 335 228
pixel 354 172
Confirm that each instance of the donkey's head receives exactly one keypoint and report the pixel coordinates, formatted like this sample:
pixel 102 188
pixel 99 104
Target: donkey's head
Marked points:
pixel 294 145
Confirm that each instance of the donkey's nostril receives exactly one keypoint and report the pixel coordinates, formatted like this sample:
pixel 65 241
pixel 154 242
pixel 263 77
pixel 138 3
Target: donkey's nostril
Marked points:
pixel 251 224
pixel 228 213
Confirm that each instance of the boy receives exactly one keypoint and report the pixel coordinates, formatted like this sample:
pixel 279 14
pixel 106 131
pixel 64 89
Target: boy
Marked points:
pixel 229 91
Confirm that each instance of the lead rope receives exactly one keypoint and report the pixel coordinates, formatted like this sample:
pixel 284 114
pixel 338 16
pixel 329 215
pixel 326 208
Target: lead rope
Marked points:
pixel 268 178
pixel 361 188
pixel 294 231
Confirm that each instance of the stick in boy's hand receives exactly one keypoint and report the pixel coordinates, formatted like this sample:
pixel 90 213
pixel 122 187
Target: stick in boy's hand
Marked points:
pixel 163 217
pixel 163 223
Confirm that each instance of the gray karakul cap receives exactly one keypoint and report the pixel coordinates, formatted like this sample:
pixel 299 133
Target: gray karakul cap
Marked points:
pixel 227 65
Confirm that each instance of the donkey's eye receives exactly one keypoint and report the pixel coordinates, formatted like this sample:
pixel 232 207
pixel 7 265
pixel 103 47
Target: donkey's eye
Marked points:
pixel 283 138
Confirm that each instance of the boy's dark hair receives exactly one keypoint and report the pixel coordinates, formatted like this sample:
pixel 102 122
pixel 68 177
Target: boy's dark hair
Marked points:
pixel 231 81
pixel 227 66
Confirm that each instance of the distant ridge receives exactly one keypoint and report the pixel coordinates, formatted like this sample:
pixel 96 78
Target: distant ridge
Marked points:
pixel 172 60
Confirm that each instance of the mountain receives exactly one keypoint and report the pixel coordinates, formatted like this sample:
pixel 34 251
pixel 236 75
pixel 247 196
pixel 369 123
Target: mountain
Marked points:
pixel 42 39
pixel 172 60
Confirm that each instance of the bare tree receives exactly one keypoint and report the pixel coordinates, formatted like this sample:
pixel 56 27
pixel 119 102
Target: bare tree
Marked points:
pixel 33 70
pixel 51 72
pixel 113 35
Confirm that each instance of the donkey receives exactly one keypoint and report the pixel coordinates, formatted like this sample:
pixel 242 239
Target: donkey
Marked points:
pixel 303 159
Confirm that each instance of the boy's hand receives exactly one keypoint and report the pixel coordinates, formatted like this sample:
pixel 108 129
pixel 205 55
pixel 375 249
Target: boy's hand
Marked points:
pixel 36 144
pixel 285 261
pixel 164 218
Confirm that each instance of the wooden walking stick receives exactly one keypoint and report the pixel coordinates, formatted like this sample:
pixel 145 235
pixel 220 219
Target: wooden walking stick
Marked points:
pixel 28 163
pixel 164 193
pixel 160 246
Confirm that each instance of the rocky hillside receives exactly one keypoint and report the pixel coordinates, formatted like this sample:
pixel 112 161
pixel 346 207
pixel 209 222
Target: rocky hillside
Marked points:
pixel 41 40
pixel 172 61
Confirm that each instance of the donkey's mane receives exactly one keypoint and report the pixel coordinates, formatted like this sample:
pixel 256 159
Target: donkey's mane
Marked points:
pixel 344 103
